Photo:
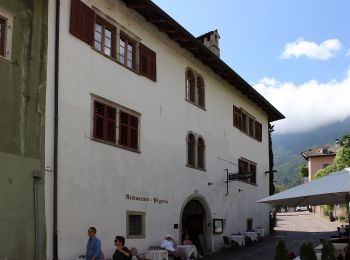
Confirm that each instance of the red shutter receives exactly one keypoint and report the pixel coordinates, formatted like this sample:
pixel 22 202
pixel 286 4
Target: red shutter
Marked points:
pixel 148 62
pixel 82 21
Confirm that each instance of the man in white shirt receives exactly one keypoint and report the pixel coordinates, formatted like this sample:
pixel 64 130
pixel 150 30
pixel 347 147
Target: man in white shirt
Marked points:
pixel 169 244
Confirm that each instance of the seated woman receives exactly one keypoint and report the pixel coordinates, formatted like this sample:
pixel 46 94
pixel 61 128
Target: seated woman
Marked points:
pixel 121 252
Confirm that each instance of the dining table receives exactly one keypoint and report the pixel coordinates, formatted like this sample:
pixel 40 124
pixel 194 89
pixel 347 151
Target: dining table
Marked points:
pixel 239 239
pixel 252 235
pixel 261 231
pixel 157 254
pixel 187 250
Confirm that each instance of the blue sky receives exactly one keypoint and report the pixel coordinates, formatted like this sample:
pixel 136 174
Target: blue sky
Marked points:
pixel 294 52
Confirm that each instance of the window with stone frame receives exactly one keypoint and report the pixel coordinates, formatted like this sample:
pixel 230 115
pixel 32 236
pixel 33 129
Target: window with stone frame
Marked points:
pixel 104 37
pixel 191 146
pixel 247 123
pixel 115 124
pixel 245 166
pixel 100 32
pixel 135 225
pixel 195 89
pixel 195 151
pixel 127 51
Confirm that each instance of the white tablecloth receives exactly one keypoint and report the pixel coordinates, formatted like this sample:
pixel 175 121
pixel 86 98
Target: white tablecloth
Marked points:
pixel 157 254
pixel 239 239
pixel 252 235
pixel 318 256
pixel 261 231
pixel 187 250
pixel 338 248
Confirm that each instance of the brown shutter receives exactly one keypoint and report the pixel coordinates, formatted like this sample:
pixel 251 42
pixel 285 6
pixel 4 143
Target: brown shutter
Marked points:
pixel 148 63
pixel 258 131
pixel 82 21
pixel 237 117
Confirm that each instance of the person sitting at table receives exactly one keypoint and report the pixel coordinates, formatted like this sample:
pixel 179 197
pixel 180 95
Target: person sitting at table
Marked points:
pixel 169 244
pixel 187 241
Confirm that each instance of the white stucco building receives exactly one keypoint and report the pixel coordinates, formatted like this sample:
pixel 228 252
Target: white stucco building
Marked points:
pixel 149 119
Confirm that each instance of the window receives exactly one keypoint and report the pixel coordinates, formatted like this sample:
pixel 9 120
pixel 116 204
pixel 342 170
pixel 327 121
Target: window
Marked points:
pixel 249 224
pixel 2 36
pixel 100 32
pixel 135 224
pixel 195 91
pixel 245 166
pixel 107 128
pixel 200 91
pixel 128 130
pixel 246 123
pixel 190 86
pixel 200 153
pixel 237 118
pixel 191 144
pixel 104 37
pixel 195 151
pixel 127 51
pixel 6 25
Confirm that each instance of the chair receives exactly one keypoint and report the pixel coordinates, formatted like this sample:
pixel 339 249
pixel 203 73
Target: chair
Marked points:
pixel 136 255
pixel 227 242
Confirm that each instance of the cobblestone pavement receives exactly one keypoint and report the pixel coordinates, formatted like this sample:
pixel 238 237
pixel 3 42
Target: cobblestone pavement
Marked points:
pixel 294 228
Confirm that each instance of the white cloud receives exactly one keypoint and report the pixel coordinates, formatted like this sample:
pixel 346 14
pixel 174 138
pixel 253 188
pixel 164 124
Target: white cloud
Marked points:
pixel 309 105
pixel 300 47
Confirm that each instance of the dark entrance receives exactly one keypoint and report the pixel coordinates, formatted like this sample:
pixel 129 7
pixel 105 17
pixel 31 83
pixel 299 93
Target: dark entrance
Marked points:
pixel 193 223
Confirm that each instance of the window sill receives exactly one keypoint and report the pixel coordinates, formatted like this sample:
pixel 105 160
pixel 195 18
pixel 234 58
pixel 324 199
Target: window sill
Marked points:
pixel 247 134
pixel 194 167
pixel 115 145
pixel 135 236
pixel 6 59
pixel 115 60
pixel 193 103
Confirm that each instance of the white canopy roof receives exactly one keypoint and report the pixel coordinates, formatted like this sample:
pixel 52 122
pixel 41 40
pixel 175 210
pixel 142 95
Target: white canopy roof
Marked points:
pixel 331 189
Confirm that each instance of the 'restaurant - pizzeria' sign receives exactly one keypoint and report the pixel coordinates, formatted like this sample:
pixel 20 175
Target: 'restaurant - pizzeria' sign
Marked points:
pixel 155 200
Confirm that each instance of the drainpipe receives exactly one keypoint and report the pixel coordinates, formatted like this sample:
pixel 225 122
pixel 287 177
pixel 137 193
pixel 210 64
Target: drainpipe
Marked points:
pixel 37 178
pixel 55 152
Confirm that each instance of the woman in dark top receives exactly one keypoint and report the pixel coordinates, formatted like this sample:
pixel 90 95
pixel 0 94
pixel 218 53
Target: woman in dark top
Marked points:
pixel 121 252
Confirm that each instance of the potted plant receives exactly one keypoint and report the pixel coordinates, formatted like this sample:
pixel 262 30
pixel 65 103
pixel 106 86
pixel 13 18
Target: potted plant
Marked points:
pixel 307 252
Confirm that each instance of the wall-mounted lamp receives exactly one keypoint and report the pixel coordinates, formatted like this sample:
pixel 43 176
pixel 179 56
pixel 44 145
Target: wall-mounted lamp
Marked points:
pixel 272 171
pixel 240 190
pixel 210 183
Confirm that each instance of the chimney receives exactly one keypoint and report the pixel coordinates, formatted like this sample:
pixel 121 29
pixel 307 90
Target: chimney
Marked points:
pixel 211 41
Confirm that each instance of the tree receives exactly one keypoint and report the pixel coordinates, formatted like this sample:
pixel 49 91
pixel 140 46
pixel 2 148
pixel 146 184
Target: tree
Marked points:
pixel 307 252
pixel 304 172
pixel 327 250
pixel 341 160
pixel 281 252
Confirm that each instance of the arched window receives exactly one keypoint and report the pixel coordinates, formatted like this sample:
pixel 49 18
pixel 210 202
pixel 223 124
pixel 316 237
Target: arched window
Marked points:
pixel 200 153
pixel 190 85
pixel 200 92
pixel 191 144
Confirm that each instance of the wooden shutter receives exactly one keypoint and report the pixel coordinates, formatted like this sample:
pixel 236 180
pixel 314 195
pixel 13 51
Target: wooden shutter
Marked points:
pixel 128 130
pixel 148 63
pixel 258 131
pixel 2 36
pixel 237 117
pixel 82 22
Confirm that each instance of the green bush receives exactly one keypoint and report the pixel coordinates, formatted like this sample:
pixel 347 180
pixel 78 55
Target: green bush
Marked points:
pixel 307 252
pixel 281 252
pixel 326 209
pixel 327 250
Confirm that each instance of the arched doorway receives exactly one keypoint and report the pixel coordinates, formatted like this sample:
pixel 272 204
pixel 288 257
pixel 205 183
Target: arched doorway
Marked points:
pixel 195 219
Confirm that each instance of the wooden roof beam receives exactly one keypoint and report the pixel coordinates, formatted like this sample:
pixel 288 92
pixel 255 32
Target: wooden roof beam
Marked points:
pixel 136 5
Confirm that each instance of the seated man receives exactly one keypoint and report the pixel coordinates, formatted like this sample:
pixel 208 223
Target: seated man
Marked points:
pixel 169 244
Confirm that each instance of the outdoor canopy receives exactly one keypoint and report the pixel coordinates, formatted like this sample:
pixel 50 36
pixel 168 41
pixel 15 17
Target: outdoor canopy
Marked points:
pixel 331 189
